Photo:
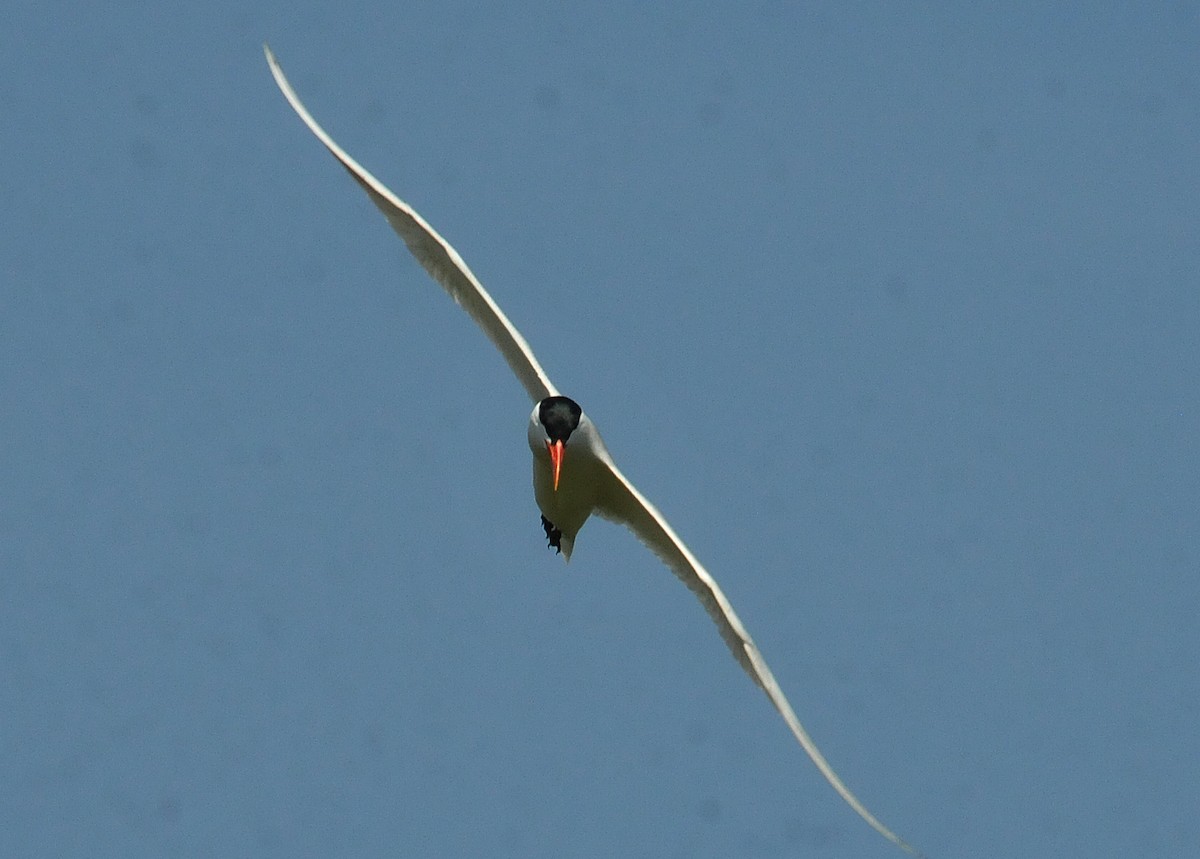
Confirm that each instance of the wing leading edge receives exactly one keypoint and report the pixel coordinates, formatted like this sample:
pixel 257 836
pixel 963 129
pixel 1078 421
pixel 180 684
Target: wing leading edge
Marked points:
pixel 435 254
pixel 626 505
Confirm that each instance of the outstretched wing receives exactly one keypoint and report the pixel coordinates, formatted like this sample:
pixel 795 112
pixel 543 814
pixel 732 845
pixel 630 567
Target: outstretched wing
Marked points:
pixel 623 503
pixel 436 255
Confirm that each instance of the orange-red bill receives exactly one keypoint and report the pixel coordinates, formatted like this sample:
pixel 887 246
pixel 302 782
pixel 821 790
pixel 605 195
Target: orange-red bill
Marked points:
pixel 556 456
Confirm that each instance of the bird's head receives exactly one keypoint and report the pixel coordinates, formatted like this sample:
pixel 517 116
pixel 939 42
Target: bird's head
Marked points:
pixel 550 426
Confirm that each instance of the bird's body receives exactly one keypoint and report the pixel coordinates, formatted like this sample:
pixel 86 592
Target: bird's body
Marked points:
pixel 573 474
pixel 586 474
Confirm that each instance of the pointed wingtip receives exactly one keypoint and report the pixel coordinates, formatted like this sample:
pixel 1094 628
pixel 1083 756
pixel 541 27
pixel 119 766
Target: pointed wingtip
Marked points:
pixel 276 69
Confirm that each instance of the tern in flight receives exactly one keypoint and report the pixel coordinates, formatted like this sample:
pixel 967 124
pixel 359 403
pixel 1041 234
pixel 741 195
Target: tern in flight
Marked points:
pixel 573 474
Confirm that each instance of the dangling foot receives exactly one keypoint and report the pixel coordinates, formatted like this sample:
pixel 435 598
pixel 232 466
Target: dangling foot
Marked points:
pixel 553 536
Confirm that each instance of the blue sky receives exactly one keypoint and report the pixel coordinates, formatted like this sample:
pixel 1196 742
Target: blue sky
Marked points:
pixel 892 310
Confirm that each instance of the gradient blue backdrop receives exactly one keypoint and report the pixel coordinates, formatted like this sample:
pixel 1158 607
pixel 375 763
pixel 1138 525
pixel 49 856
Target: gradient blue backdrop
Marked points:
pixel 893 311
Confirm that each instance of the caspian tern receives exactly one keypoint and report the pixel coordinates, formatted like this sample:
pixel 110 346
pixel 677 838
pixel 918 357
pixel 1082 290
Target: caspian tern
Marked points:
pixel 573 474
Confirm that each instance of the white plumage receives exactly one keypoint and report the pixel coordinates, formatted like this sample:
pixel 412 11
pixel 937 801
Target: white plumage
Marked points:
pixel 590 481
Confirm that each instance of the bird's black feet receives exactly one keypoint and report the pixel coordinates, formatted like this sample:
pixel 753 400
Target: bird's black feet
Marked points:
pixel 553 536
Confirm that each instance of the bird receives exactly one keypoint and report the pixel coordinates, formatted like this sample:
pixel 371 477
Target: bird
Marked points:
pixel 574 476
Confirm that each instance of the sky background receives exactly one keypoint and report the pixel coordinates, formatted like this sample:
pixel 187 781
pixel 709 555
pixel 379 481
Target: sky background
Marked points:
pixel 893 310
